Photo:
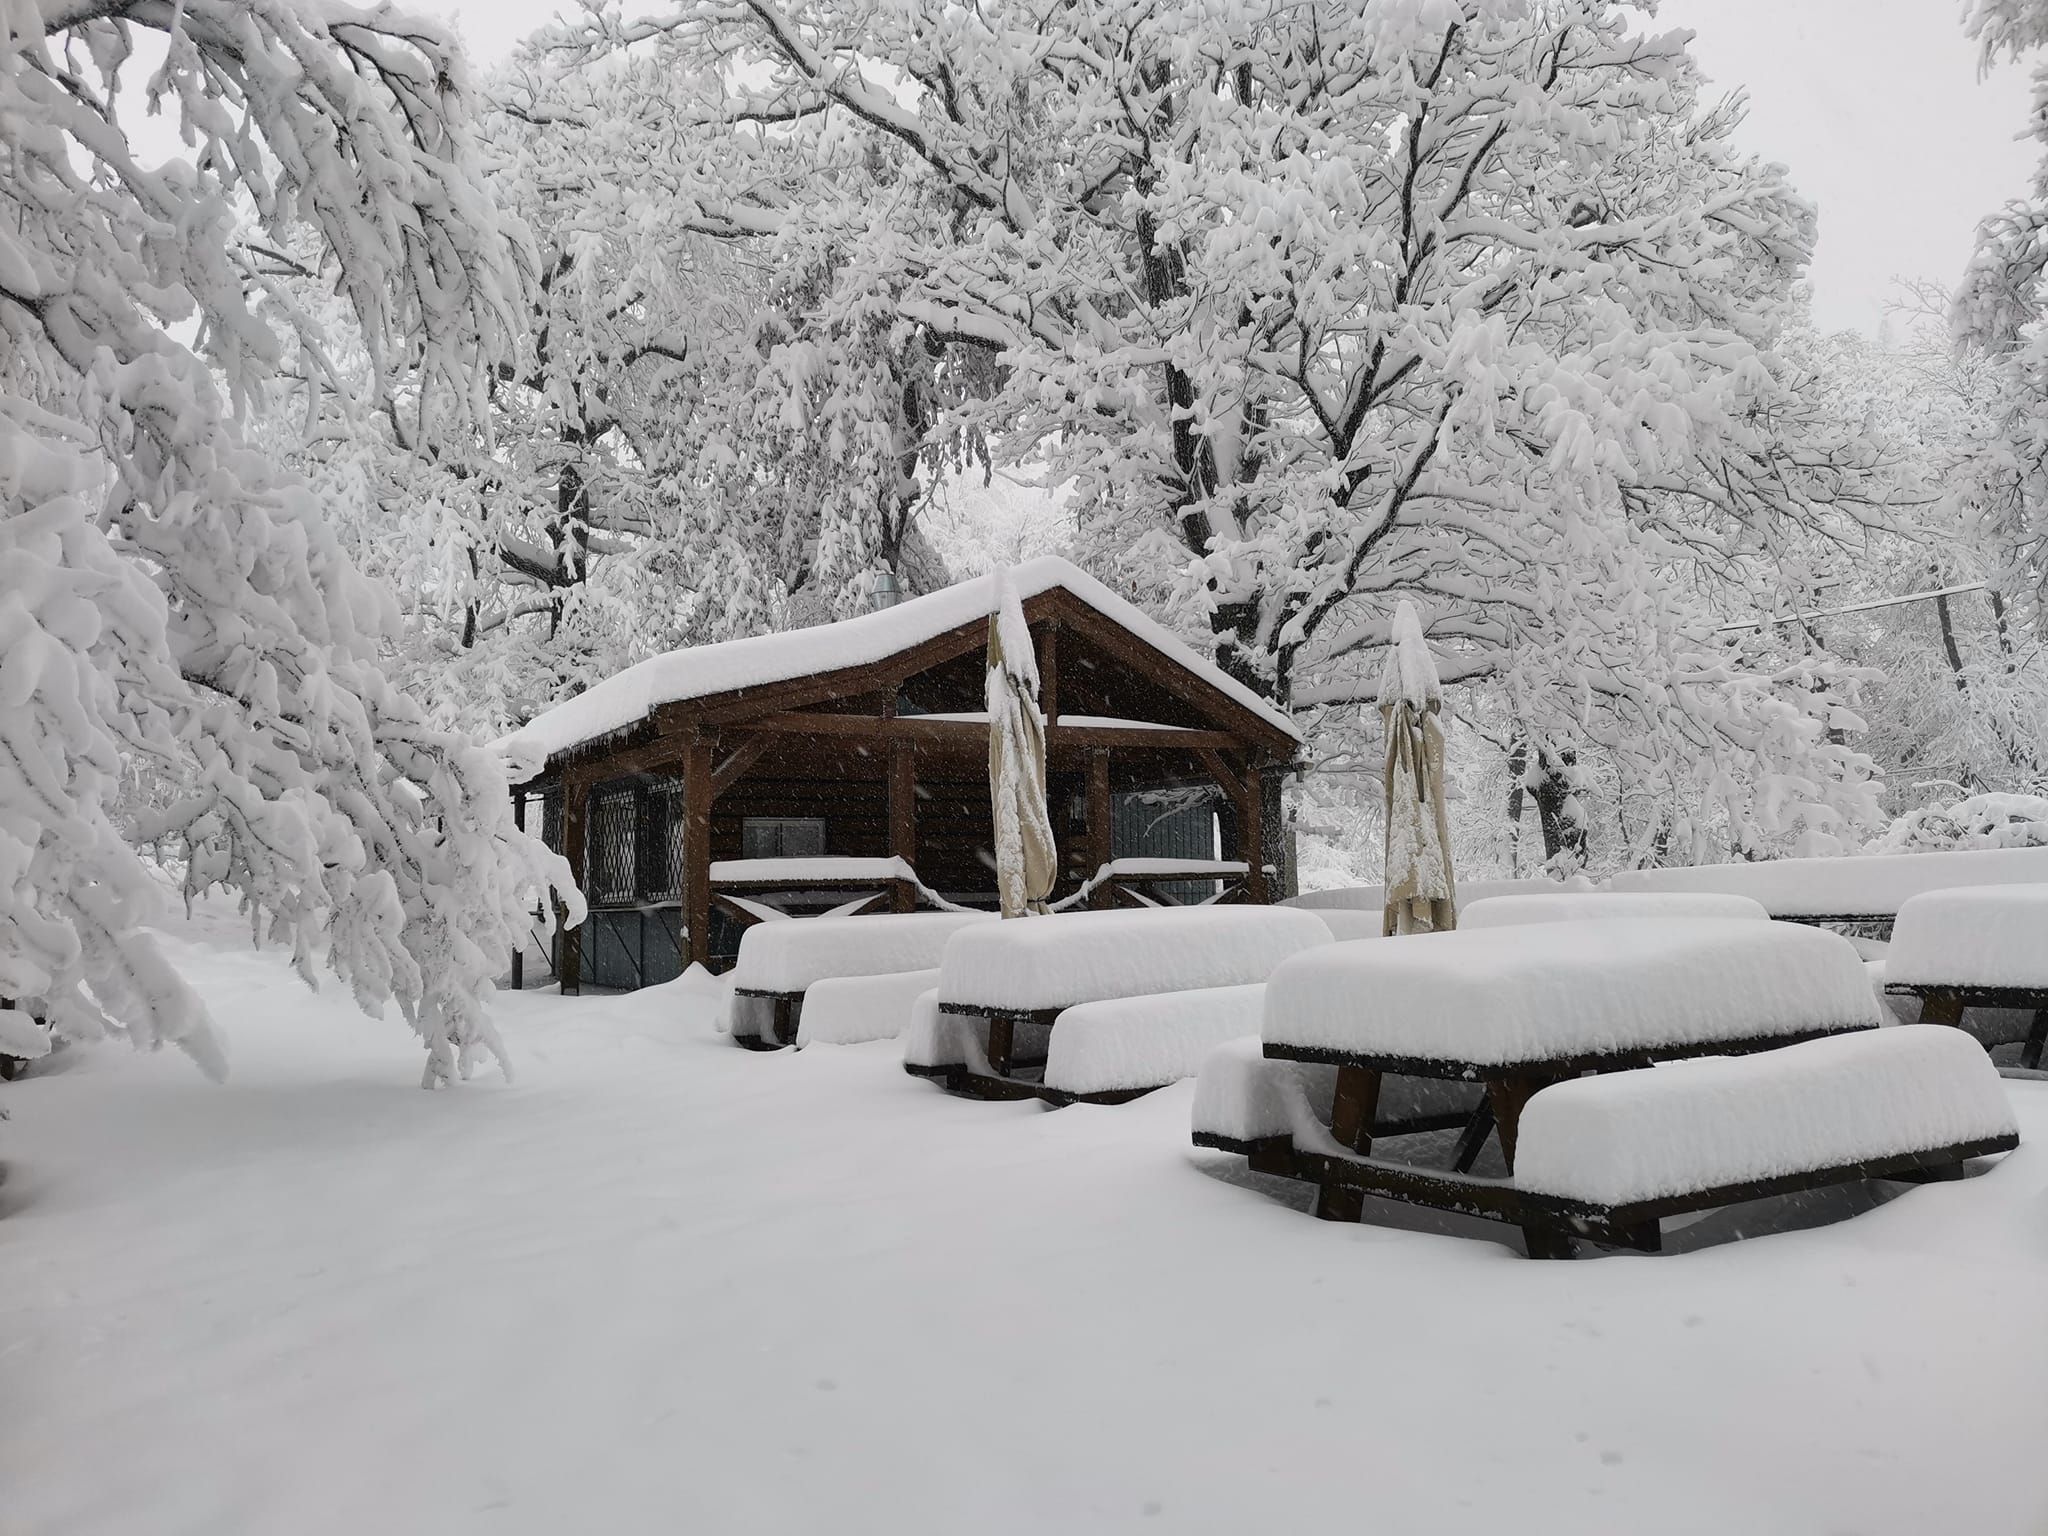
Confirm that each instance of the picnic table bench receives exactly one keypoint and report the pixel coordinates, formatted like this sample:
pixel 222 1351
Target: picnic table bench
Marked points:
pixel 1595 1159
pixel 1528 1011
pixel 1975 947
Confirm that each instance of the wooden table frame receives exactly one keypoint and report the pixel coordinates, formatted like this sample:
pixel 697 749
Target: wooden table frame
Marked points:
pixel 1945 1005
pixel 1509 1087
pixel 1552 1225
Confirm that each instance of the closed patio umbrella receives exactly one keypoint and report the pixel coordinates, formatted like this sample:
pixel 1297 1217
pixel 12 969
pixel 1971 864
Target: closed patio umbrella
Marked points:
pixel 1421 891
pixel 1026 859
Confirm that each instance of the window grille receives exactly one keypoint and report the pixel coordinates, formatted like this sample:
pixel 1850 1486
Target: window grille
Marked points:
pixel 551 819
pixel 614 833
pixel 661 841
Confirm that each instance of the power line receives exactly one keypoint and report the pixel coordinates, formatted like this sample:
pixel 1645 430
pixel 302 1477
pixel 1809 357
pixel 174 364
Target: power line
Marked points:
pixel 1882 602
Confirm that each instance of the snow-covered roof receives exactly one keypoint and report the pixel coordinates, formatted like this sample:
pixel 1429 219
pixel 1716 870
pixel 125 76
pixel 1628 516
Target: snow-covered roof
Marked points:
pixel 697 672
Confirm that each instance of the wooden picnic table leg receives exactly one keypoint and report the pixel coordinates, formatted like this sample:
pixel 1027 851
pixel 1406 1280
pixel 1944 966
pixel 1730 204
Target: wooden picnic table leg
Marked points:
pixel 1941 1008
pixel 1506 1096
pixel 1548 1243
pixel 785 1031
pixel 1351 1115
pixel 1000 1037
pixel 2037 1039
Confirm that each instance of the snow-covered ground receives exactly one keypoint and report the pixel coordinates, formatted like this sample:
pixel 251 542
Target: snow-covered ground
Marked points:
pixel 664 1285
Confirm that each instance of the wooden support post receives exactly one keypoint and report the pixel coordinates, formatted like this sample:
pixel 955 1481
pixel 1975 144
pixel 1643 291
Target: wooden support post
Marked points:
pixel 903 819
pixel 519 938
pixel 2037 1039
pixel 1352 1112
pixel 575 824
pixel 1251 822
pixel 1049 674
pixel 1100 821
pixel 697 795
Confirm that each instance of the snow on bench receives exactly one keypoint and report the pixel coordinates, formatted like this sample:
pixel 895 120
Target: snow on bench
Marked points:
pixel 1243 1097
pixel 935 1043
pixel 1346 925
pixel 1718 1122
pixel 1983 937
pixel 846 1010
pixel 1498 997
pixel 1040 964
pixel 1574 906
pixel 788 957
pixel 1871 886
pixel 817 870
pixel 1130 1044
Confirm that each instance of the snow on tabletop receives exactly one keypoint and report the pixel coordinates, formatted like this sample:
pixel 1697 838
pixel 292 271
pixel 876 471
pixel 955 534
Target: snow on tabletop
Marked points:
pixel 746 871
pixel 1980 936
pixel 1373 898
pixel 845 1010
pixel 1496 996
pixel 699 671
pixel 1573 906
pixel 1868 883
pixel 1718 1120
pixel 1147 1042
pixel 790 956
pixel 1079 957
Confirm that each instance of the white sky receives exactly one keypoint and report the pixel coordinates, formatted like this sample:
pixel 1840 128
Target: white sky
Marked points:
pixel 1876 107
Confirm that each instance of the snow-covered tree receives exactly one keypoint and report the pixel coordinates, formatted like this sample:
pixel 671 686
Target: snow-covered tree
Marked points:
pixel 1325 306
pixel 179 618
pixel 1998 315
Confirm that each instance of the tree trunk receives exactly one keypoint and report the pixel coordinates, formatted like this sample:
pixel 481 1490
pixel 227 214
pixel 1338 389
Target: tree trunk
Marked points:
pixel 1563 832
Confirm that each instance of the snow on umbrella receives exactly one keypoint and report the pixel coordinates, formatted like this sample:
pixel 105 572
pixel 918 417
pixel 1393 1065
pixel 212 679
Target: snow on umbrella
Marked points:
pixel 1421 893
pixel 1026 858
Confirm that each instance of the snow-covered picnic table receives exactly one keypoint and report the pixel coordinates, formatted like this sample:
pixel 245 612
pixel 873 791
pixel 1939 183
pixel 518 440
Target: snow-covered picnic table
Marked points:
pixel 1004 987
pixel 1577 906
pixel 1975 947
pixel 1141 880
pixel 779 962
pixel 1530 1010
pixel 1866 888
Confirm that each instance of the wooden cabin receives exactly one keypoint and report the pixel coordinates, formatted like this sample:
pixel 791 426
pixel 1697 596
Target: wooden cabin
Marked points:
pixel 848 763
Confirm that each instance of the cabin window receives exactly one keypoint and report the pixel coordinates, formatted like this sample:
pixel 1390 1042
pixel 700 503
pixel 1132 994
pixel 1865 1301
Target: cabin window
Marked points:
pixel 661 842
pixel 614 837
pixel 782 837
